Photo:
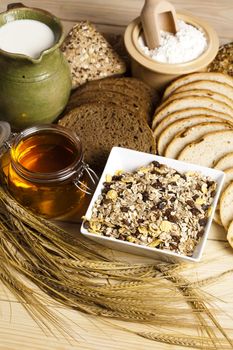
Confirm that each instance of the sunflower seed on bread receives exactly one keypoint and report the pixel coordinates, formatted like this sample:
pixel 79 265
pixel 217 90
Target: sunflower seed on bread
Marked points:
pixel 173 129
pixel 192 134
pixel 90 55
pixel 208 149
pixel 213 76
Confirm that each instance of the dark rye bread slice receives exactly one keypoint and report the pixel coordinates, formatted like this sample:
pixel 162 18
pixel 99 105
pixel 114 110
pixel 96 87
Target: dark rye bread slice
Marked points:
pixel 90 55
pixel 113 97
pixel 132 87
pixel 130 83
pixel 219 77
pixel 102 126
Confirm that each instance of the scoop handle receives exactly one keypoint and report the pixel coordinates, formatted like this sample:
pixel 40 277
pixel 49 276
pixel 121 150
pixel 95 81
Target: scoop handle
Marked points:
pixel 157 15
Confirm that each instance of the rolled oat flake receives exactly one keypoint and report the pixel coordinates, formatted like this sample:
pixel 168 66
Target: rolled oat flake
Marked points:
pixel 186 45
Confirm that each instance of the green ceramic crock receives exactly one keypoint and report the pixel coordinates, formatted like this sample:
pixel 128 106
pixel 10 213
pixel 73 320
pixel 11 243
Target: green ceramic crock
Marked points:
pixel 33 91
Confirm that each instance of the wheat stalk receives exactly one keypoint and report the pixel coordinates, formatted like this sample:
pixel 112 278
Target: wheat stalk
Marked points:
pixel 187 341
pixel 73 274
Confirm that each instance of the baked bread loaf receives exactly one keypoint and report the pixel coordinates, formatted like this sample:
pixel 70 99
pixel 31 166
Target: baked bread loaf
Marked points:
pixel 225 162
pixel 192 134
pixel 226 200
pixel 208 149
pixel 89 54
pixel 102 126
pixel 219 77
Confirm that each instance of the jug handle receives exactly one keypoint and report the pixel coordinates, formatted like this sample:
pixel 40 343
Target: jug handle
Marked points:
pixel 15 5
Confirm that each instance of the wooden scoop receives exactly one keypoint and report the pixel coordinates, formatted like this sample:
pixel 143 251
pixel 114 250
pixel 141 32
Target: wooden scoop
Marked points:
pixel 157 15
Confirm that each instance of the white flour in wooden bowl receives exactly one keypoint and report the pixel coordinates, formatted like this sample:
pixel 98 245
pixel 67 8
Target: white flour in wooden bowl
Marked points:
pixel 186 45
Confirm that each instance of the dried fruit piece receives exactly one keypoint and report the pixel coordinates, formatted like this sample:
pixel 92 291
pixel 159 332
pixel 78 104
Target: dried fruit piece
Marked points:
pixel 112 194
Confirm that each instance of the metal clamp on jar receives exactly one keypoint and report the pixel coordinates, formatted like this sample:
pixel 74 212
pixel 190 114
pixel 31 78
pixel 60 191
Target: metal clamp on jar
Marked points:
pixel 44 170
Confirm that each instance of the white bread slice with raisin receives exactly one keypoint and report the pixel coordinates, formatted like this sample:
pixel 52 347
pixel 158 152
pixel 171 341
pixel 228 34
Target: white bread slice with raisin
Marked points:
pixel 168 134
pixel 192 134
pixel 187 113
pixel 226 210
pixel 225 162
pixel 214 86
pixel 197 92
pixel 189 102
pixel 208 149
pixel 218 77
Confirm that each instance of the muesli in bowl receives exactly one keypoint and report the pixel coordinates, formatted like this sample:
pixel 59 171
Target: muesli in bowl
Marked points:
pixel 150 205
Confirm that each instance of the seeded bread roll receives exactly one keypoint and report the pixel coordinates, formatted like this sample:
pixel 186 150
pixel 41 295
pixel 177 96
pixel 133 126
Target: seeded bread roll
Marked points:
pixel 102 126
pixel 218 77
pixel 192 134
pixel 223 62
pixel 173 129
pixel 90 55
pixel 208 149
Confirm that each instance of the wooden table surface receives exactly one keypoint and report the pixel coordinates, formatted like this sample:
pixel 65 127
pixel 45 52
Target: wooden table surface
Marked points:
pixel 17 330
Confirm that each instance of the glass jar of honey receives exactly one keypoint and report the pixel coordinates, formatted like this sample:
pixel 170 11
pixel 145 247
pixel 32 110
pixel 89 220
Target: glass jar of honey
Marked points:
pixel 45 172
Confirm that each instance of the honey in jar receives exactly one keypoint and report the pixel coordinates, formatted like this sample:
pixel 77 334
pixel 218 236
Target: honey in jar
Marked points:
pixel 46 172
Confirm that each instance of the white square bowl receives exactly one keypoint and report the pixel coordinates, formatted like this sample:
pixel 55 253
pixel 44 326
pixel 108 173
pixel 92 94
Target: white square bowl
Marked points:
pixel 129 160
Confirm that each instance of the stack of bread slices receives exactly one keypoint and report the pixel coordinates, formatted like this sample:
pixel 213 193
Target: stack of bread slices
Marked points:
pixel 111 112
pixel 194 123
